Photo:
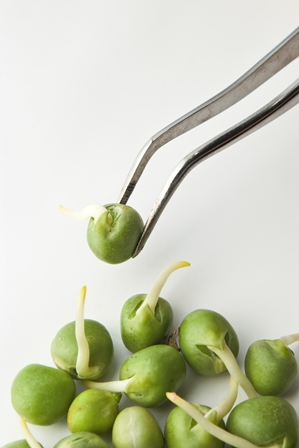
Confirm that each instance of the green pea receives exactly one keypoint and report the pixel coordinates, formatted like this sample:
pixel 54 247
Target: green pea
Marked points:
pixel 64 349
pixel 139 330
pixel 135 426
pixel 146 318
pixel 83 348
pixel 181 430
pixel 270 366
pixel 198 331
pixel 22 443
pixel 210 346
pixel 113 230
pixel 265 421
pixel 82 440
pixel 42 394
pixel 93 411
pixel 153 371
pixel 147 375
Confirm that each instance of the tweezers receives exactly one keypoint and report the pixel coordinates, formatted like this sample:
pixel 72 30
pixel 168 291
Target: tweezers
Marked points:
pixel 272 63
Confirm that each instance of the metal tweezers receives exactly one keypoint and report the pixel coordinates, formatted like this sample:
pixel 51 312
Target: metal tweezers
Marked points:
pixel 272 63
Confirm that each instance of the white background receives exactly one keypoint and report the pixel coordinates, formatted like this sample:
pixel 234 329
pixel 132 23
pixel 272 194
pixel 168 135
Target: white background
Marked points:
pixel 83 85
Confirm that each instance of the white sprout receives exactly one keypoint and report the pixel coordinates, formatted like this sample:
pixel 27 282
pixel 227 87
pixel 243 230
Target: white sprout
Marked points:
pixel 230 362
pixel 289 339
pixel 32 442
pixel 154 294
pixel 226 405
pixel 91 211
pixel 82 364
pixel 110 386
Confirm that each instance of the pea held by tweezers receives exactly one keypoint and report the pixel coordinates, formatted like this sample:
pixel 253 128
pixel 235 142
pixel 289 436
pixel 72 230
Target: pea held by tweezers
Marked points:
pixel 113 230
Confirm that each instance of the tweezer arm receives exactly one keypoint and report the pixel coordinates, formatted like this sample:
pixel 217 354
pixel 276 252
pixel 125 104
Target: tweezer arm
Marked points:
pixel 268 66
pixel 286 100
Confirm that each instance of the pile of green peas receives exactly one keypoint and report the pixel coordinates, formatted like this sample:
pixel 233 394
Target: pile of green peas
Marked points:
pixel 151 376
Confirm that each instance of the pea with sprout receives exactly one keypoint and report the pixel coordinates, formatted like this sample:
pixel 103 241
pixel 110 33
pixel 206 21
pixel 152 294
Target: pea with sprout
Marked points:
pixel 210 346
pixel 84 347
pixel 255 422
pixel 147 374
pixel 271 365
pixel 146 318
pixel 113 230
pixel 182 430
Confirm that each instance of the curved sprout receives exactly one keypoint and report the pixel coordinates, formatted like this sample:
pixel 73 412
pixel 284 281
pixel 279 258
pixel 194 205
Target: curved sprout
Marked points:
pixel 228 358
pixel 225 406
pixel 91 211
pixel 290 339
pixel 180 428
pixel 82 364
pixel 32 442
pixel 153 296
pixel 110 386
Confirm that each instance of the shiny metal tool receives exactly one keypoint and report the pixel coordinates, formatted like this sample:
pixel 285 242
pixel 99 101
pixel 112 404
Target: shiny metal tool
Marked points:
pixel 272 63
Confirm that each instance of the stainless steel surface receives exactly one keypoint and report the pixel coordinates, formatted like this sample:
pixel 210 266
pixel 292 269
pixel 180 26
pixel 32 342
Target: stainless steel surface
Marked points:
pixel 272 63
pixel 272 110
